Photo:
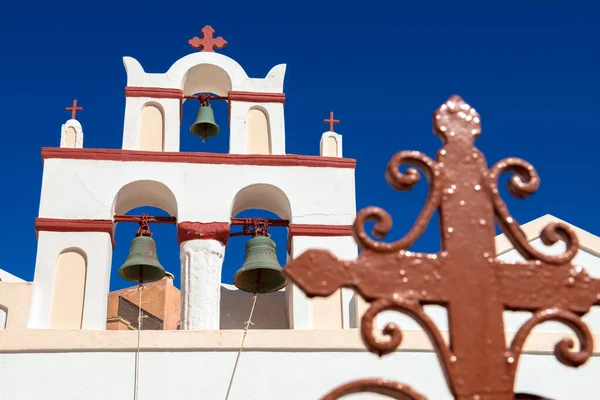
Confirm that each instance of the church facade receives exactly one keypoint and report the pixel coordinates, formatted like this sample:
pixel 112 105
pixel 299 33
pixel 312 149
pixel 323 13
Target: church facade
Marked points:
pixel 56 340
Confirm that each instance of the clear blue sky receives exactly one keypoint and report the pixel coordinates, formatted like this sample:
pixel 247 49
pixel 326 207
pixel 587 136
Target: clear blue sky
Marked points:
pixel 530 68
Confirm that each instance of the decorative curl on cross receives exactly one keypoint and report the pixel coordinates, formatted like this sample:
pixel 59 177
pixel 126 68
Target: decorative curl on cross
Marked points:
pixel 465 277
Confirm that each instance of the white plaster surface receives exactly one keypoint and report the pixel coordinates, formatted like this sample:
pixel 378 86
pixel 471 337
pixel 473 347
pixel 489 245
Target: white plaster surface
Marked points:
pixel 238 130
pixel 201 265
pixel 175 77
pixel 6 276
pixel 325 143
pixel 133 122
pixel 260 375
pixel 98 249
pixel 204 72
pixel 72 123
pixel 343 247
pixel 86 189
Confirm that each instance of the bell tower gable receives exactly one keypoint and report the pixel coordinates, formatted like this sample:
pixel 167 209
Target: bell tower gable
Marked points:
pixel 256 119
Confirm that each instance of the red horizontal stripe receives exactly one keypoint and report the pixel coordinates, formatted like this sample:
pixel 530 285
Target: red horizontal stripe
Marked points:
pixel 75 225
pixel 157 93
pixel 288 160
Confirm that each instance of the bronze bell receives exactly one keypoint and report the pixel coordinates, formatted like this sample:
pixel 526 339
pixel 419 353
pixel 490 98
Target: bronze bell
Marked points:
pixel 261 272
pixel 141 264
pixel 205 125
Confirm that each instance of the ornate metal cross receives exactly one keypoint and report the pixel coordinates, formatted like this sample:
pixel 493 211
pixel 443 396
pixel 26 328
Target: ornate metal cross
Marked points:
pixel 465 276
pixel 74 109
pixel 207 43
pixel 331 121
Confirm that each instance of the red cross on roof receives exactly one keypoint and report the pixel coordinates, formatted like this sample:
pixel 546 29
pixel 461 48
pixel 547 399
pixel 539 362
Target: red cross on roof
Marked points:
pixel 208 42
pixel 74 109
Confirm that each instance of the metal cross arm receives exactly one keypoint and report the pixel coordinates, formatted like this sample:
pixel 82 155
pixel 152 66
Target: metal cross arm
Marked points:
pixel 466 277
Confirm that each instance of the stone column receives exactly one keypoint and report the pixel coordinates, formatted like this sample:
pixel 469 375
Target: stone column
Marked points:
pixel 202 249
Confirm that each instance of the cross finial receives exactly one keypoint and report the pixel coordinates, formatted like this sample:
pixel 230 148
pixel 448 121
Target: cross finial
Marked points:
pixel 74 109
pixel 208 42
pixel 331 121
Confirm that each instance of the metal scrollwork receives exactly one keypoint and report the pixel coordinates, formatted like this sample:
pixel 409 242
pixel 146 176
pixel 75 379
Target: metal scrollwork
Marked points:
pixel 465 277
pixel 402 182
pixel 524 183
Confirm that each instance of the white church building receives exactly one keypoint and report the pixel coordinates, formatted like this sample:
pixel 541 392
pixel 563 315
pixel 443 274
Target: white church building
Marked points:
pixel 54 344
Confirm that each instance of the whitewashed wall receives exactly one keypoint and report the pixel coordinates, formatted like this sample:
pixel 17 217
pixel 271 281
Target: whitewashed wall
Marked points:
pixel 86 189
pixel 261 375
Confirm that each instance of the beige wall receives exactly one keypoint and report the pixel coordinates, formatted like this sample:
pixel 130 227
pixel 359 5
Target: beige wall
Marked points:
pixel 326 312
pixel 71 137
pixel 15 298
pixel 69 290
pixel 152 128
pixel 332 147
pixel 258 138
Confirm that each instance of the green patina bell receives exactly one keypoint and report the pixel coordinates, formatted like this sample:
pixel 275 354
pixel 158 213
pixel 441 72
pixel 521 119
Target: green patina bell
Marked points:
pixel 261 271
pixel 205 125
pixel 142 265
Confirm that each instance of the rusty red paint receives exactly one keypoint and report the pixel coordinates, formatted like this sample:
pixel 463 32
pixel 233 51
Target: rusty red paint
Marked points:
pixel 149 218
pixel 287 160
pixel 203 230
pixel 208 42
pixel 74 109
pixel 153 92
pixel 256 97
pixel 331 121
pixel 320 230
pixel 465 276
pixel 75 225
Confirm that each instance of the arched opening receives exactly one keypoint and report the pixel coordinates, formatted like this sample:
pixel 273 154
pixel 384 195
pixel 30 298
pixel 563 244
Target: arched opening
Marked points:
pixel 145 193
pixel 206 78
pixel 71 137
pixel 152 128
pixel 3 317
pixel 258 132
pixel 161 299
pixel 255 201
pixel 68 292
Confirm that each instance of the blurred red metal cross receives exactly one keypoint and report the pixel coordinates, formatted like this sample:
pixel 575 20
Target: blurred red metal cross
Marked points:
pixel 208 42
pixel 74 109
pixel 331 121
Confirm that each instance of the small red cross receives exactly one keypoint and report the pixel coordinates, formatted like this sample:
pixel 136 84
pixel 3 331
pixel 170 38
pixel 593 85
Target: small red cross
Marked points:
pixel 74 109
pixel 331 121
pixel 207 43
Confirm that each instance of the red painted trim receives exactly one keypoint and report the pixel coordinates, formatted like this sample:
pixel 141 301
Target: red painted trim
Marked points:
pixel 203 231
pixel 158 93
pixel 75 225
pixel 288 160
pixel 320 230
pixel 317 230
pixel 257 97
